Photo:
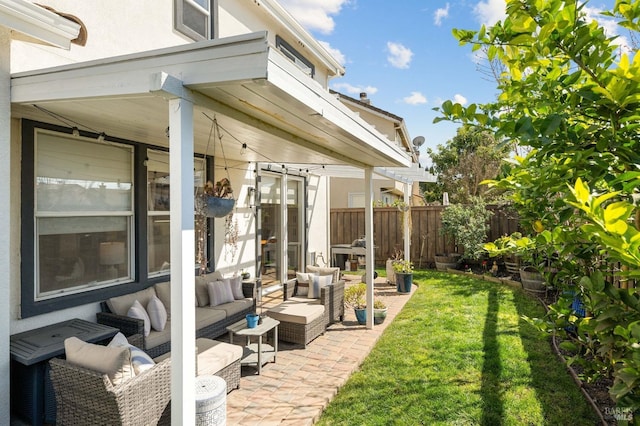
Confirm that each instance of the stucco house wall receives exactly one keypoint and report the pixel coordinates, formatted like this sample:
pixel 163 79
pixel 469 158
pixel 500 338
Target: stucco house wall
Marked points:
pixel 116 28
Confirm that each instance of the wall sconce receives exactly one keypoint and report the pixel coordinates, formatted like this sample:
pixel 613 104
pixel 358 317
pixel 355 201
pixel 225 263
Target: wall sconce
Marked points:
pixel 251 197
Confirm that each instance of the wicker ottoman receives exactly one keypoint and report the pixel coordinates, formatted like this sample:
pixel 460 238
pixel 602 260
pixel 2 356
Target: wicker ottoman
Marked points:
pixel 299 322
pixel 218 359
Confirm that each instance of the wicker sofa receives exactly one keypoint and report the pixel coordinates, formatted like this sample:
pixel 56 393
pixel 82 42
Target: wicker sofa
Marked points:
pixel 211 321
pixel 302 319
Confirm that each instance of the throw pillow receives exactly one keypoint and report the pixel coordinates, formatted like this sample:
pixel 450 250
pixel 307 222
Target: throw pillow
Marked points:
pixel 157 313
pixel 302 286
pixel 317 282
pixel 236 287
pixel 219 292
pixel 115 362
pixel 140 361
pixel 137 311
pixel 163 290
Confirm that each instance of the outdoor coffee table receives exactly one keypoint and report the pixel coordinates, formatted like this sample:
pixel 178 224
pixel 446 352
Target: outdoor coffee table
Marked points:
pixel 260 353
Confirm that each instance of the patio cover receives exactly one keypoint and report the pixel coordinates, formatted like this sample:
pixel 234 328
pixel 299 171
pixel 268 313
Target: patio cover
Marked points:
pixel 262 98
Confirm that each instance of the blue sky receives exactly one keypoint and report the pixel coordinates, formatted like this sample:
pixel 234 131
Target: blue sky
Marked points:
pixel 402 53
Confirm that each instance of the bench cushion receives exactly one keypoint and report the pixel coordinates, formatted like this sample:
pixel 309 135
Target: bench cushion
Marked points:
pixel 207 316
pixel 296 312
pixel 213 356
pixel 157 338
pixel 233 307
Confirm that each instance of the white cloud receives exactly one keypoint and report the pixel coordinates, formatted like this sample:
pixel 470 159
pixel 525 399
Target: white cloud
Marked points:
pixel 399 56
pixel 459 99
pixel 315 15
pixel 610 27
pixel 416 98
pixel 337 54
pixel 440 14
pixel 489 12
pixel 354 90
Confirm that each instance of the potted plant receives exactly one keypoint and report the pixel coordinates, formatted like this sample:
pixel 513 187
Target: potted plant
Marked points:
pixel 217 200
pixel 379 311
pixel 403 271
pixel 527 254
pixel 354 297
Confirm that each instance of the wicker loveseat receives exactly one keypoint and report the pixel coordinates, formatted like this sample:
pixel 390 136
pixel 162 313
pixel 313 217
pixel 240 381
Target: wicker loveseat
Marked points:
pixel 303 318
pixel 211 321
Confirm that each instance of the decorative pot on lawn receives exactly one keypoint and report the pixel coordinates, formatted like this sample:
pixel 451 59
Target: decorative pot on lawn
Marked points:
pixel 404 282
pixel 532 280
pixel 446 261
pixel 379 315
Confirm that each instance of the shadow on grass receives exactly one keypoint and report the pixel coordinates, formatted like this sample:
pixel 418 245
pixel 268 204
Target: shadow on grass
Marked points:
pixel 545 370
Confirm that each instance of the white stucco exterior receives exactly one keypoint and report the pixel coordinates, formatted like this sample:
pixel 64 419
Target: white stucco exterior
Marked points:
pixel 102 89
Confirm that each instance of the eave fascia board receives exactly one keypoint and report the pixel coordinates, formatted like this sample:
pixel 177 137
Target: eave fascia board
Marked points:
pixel 129 75
pixel 286 77
pixel 281 15
pixel 38 23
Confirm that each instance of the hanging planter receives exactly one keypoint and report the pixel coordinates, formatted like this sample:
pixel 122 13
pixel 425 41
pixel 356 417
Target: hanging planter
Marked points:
pixel 216 206
pixel 217 200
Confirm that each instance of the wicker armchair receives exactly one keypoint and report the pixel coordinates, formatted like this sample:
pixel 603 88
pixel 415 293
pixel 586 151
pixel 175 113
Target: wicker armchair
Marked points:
pixel 89 398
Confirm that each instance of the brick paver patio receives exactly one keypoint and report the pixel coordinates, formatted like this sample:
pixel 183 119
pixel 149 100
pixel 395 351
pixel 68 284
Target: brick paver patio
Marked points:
pixel 296 389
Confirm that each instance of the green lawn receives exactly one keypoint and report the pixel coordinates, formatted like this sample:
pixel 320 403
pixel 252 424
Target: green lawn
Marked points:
pixel 459 353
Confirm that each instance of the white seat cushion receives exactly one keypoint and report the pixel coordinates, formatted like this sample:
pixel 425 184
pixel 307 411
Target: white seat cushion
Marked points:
pixel 296 312
pixel 213 356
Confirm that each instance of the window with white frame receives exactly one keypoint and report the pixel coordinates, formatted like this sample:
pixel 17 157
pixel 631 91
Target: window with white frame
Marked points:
pixel 83 211
pixel 193 18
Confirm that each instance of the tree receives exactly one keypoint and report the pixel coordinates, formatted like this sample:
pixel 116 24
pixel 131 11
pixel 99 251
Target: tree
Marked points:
pixel 570 94
pixel 473 155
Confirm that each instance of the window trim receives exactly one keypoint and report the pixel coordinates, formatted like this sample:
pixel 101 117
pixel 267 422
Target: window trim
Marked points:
pixel 286 49
pixel 180 26
pixel 29 307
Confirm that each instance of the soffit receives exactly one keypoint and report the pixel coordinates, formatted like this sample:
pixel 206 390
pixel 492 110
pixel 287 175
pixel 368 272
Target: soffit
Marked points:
pixel 256 95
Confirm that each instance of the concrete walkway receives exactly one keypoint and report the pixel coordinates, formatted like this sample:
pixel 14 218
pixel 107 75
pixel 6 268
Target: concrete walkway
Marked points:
pixel 298 386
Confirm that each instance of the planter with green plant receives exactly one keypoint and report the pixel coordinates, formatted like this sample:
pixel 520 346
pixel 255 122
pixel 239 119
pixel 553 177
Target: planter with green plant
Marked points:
pixel 466 226
pixel 403 271
pixel 355 297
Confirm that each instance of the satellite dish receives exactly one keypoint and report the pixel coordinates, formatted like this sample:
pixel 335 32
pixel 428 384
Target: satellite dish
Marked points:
pixel 418 141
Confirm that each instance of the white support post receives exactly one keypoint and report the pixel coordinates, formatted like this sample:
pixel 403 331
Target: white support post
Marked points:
pixel 182 237
pixel 368 226
pixel 284 241
pixel 407 216
pixel 5 218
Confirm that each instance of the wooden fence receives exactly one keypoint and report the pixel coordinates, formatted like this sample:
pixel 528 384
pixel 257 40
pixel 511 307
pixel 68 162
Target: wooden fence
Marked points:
pixel 348 225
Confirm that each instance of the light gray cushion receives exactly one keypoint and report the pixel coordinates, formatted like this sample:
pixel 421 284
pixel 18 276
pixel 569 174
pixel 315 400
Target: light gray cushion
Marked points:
pixel 295 312
pixel 163 291
pixel 157 313
pixel 302 283
pixel 333 271
pixel 139 358
pixel 202 292
pixel 137 311
pixel 316 284
pixel 115 362
pixel 235 306
pixel 157 338
pixel 236 287
pixel 120 305
pixel 207 316
pixel 219 293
